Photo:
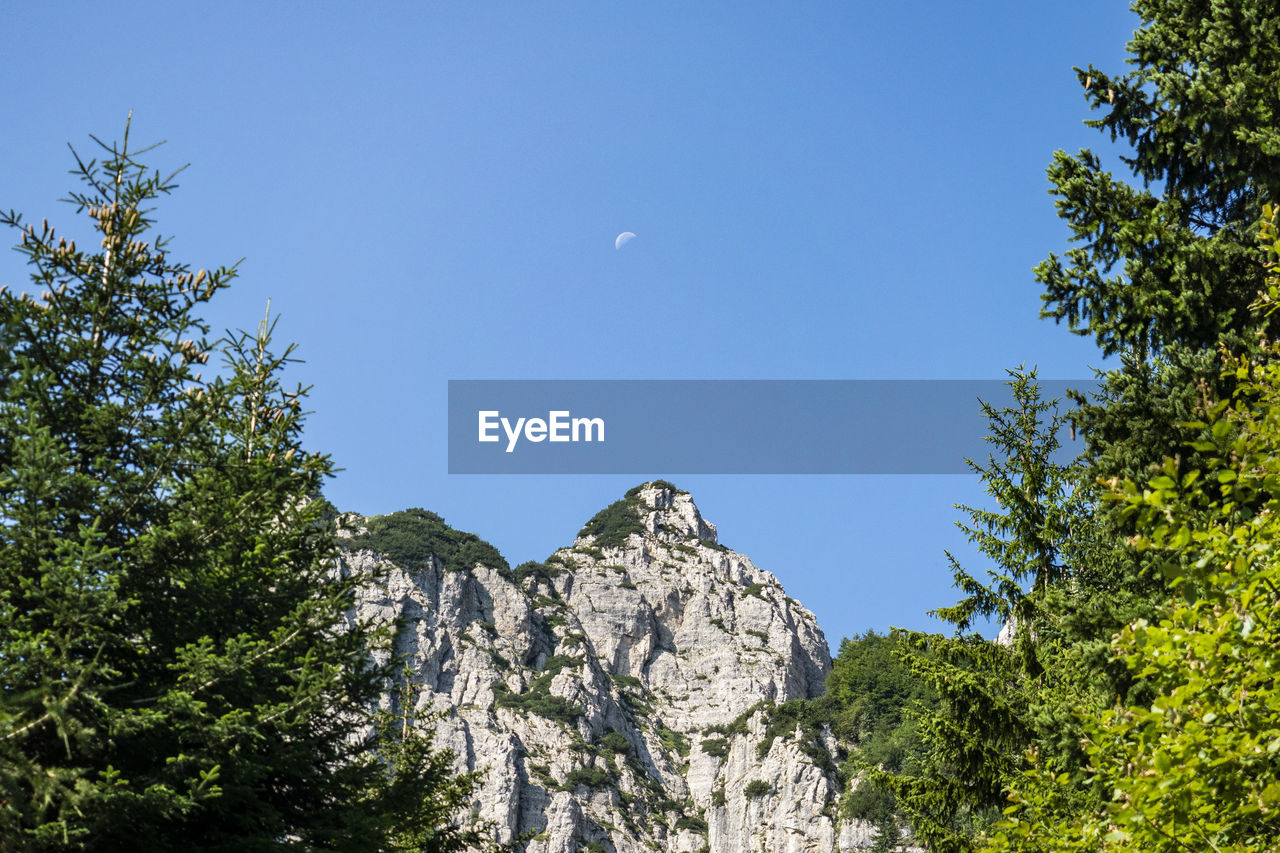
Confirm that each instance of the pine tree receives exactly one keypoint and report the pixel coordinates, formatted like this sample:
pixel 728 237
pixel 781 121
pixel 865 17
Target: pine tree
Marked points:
pixel 1171 261
pixel 176 671
pixel 992 697
pixel 1162 277
pixel 1165 267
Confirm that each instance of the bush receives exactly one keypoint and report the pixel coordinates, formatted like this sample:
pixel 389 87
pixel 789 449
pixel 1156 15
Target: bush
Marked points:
pixel 411 537
pixel 590 777
pixel 757 788
pixel 612 525
pixel 536 570
pixel 716 747
pixel 616 741
pixel 692 823
pixel 537 697
pixel 634 491
pixel 674 741
pixel 543 704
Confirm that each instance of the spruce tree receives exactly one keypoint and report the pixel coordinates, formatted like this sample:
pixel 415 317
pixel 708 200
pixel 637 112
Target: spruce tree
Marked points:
pixel 177 670
pixel 1165 263
pixel 1162 276
pixel 992 697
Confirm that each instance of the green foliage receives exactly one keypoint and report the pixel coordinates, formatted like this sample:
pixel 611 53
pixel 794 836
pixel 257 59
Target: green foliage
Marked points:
pixel 739 724
pixel 540 572
pixel 588 777
pixel 674 741
pixel 718 798
pixel 804 719
pixel 537 697
pixel 873 702
pixel 542 773
pixel 1171 261
pixel 756 589
pixel 411 537
pixel 1196 768
pixel 1025 537
pixel 171 676
pixel 1165 264
pixel 873 693
pixel 1163 275
pixel 617 742
pixel 611 526
pixel 634 491
pixel 537 700
pixel 716 747
pixel 405 747
pixel 757 788
pixel 693 823
pixel 992 700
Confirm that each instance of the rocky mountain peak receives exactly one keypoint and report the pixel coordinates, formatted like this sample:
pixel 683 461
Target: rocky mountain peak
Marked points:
pixel 620 695
pixel 656 510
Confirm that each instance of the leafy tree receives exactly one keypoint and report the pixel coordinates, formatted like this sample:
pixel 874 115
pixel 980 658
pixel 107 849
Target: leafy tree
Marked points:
pixel 1198 767
pixel 174 668
pixel 872 700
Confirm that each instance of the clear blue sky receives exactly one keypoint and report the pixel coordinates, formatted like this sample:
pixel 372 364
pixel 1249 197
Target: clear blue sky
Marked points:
pixel 429 191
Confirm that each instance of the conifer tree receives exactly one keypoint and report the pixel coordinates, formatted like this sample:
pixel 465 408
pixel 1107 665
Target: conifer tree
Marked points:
pixel 1162 276
pixel 1195 767
pixel 1164 268
pixel 992 696
pixel 176 667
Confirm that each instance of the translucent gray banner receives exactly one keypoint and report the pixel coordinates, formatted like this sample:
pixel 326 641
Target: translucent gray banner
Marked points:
pixel 728 426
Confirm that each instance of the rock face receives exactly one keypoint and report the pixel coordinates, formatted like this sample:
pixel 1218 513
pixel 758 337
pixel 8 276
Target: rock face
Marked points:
pixel 623 695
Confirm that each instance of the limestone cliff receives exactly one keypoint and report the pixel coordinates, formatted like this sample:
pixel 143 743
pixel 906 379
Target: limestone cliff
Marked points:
pixel 622 695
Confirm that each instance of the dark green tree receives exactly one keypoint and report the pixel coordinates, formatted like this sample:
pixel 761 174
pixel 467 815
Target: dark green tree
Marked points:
pixel 1165 267
pixel 176 667
pixel 992 697
pixel 1163 273
pixel 1194 767
pixel 1171 261
pixel 873 701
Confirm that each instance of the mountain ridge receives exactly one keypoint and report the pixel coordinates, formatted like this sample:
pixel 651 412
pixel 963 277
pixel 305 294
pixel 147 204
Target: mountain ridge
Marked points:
pixel 620 695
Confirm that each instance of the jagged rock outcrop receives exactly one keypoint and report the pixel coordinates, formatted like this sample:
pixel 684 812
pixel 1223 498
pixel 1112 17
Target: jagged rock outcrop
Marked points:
pixel 624 695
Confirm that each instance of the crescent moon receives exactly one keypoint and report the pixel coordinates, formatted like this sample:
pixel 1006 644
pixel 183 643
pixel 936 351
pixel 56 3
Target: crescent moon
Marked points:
pixel 622 239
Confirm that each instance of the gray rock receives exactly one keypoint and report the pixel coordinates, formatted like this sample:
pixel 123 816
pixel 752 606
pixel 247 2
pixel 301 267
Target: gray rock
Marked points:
pixel 598 697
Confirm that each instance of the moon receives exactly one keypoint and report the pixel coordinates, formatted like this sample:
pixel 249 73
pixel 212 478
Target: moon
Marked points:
pixel 622 239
